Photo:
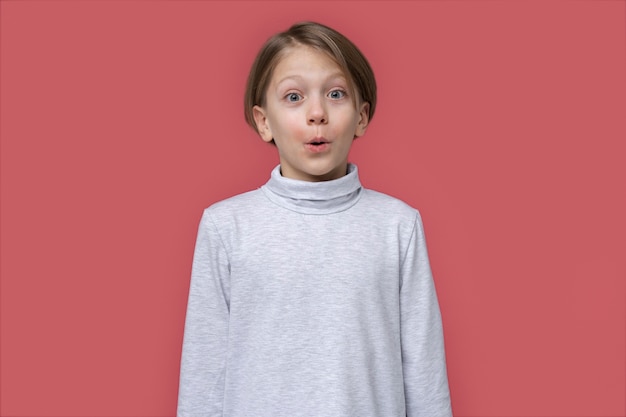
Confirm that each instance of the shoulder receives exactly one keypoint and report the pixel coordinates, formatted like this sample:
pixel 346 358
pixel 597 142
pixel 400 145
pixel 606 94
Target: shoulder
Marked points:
pixel 237 201
pixel 391 213
pixel 389 206
pixel 235 206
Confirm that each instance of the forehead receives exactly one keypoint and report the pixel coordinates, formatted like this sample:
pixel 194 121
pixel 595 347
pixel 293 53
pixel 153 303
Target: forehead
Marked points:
pixel 303 61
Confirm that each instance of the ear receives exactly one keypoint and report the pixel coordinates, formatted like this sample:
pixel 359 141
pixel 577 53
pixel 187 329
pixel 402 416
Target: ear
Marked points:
pixel 262 124
pixel 364 118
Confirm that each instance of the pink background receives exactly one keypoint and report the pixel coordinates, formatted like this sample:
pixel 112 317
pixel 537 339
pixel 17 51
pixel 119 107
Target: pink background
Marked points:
pixel 502 121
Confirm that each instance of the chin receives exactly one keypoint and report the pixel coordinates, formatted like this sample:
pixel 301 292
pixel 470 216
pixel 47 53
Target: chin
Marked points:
pixel 326 174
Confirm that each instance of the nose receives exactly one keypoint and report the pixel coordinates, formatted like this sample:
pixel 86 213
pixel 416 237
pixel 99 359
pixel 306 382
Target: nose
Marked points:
pixel 317 112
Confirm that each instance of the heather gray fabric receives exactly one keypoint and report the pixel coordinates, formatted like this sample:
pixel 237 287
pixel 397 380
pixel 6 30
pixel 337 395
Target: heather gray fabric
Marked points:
pixel 312 299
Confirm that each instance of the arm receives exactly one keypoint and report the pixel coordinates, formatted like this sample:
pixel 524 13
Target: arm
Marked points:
pixel 423 356
pixel 203 362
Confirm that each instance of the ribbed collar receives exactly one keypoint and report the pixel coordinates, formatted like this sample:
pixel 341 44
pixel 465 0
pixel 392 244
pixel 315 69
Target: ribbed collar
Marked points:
pixel 323 197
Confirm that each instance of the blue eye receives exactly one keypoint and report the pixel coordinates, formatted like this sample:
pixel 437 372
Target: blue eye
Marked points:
pixel 293 97
pixel 337 94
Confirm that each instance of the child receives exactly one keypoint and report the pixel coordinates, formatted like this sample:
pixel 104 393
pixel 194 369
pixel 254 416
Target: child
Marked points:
pixel 312 296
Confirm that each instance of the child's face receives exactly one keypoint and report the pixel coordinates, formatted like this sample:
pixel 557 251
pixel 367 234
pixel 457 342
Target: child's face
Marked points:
pixel 310 115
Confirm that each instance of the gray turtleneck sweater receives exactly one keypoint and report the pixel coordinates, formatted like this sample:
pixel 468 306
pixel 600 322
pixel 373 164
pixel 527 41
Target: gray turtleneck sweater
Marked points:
pixel 312 299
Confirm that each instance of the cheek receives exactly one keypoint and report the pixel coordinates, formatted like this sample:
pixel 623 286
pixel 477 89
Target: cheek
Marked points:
pixel 347 122
pixel 288 125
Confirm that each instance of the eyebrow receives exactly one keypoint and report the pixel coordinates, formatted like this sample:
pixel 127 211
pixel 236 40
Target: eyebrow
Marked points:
pixel 296 77
pixel 289 77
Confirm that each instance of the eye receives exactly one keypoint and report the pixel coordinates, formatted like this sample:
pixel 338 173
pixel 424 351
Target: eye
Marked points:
pixel 293 97
pixel 337 94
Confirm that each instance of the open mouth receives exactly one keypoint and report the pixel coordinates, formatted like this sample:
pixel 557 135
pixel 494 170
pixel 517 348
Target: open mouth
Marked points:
pixel 317 141
pixel 317 145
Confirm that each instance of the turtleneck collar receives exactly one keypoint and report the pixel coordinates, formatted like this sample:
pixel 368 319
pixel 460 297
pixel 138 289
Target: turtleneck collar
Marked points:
pixel 323 197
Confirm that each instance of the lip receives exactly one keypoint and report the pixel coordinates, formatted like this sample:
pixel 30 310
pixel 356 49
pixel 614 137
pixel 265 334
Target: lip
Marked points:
pixel 318 139
pixel 317 145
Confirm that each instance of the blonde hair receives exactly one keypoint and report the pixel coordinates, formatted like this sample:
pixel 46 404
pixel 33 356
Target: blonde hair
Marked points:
pixel 351 61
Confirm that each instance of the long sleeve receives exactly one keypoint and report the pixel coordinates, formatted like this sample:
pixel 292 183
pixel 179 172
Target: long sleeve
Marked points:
pixel 203 361
pixel 423 356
